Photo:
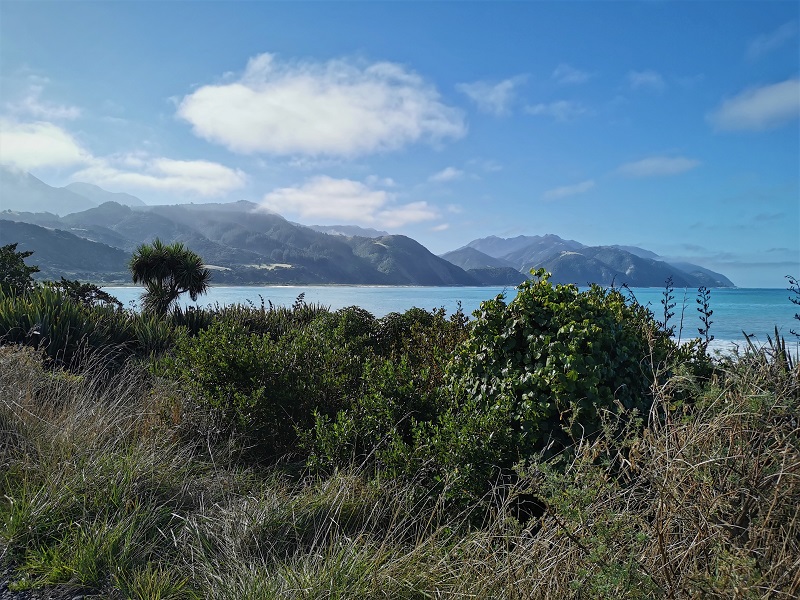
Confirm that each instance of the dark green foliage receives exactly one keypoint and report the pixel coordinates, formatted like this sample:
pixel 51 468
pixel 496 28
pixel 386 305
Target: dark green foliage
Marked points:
pixel 704 308
pixel 46 319
pixel 283 377
pixel 538 373
pixel 87 294
pixel 267 387
pixel 167 271
pixel 668 303
pixel 15 275
pixel 70 332
pixel 403 389
pixel 794 287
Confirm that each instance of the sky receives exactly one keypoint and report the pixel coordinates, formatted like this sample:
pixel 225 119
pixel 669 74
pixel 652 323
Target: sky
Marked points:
pixel 667 125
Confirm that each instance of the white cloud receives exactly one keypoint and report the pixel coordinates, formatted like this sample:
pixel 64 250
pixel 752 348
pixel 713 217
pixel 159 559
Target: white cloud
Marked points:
pixel 157 173
pixel 345 200
pixel 562 110
pixel 441 227
pixel 647 79
pixel 39 144
pixel 447 174
pixel 656 166
pixel 759 108
pixel 493 98
pixel 413 212
pixel 768 42
pixel 376 181
pixel 31 105
pixel 568 190
pixel 335 108
pixel 565 73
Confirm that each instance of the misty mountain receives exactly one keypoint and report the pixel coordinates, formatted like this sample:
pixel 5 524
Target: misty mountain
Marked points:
pixel 540 249
pixel 635 270
pixel 640 252
pixel 708 277
pixel 498 247
pixel 57 252
pixel 407 261
pixel 570 261
pixel 98 195
pixel 22 192
pixel 572 267
pixel 245 244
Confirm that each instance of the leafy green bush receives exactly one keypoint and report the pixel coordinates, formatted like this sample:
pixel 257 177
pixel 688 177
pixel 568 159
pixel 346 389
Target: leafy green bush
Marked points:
pixel 269 388
pixel 402 388
pixel 538 373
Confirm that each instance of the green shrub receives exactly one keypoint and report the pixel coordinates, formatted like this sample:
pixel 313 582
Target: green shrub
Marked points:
pixel 269 388
pixel 402 388
pixel 555 357
pixel 537 374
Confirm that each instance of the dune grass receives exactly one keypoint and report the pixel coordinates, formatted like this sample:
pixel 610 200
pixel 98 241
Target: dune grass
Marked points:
pixel 106 489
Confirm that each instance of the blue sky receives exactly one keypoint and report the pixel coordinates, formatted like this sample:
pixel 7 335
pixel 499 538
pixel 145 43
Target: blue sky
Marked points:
pixel 668 125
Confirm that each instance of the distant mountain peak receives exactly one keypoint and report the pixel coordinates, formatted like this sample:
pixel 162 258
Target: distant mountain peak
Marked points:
pixel 20 191
pixel 98 195
pixel 572 262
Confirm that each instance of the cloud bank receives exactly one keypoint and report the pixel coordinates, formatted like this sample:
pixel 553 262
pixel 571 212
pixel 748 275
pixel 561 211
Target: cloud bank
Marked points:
pixel 446 174
pixel 334 108
pixel 200 177
pixel 39 144
pixel 646 80
pixel 565 73
pixel 345 200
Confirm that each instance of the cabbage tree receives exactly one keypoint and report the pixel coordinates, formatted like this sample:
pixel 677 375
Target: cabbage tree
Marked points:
pixel 166 272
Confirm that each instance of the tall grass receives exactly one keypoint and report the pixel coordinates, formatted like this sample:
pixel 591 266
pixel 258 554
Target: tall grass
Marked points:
pixel 102 491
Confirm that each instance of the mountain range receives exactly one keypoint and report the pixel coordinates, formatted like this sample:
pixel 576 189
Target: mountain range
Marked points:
pixel 82 231
pixel 570 261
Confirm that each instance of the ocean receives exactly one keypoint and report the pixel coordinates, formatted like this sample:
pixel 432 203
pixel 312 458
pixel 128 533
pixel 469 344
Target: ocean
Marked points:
pixel 737 311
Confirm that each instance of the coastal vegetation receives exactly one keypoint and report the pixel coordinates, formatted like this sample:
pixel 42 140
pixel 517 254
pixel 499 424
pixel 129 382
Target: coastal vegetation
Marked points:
pixel 558 444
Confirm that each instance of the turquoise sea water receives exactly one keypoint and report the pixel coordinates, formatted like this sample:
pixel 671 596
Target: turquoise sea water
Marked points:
pixel 754 311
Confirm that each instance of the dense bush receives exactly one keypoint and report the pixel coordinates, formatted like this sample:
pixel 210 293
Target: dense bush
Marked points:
pixel 333 386
pixel 540 373
pixel 403 388
pixel 268 388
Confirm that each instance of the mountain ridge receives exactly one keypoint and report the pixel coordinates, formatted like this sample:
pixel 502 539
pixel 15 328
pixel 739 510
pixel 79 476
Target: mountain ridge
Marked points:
pixel 570 261
pixel 251 245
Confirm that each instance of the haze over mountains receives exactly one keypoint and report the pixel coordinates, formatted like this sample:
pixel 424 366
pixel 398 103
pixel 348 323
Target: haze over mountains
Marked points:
pixel 83 231
pixel 572 262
